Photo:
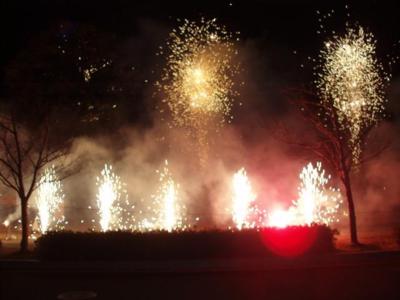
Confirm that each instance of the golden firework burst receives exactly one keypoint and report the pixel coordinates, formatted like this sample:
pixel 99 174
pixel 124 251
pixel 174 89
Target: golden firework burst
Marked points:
pixel 352 81
pixel 198 78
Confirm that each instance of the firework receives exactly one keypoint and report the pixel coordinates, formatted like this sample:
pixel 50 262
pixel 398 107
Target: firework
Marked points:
pixel 198 79
pixel 48 200
pixel 115 209
pixel 352 81
pixel 317 202
pixel 167 211
pixel 243 209
pixel 281 218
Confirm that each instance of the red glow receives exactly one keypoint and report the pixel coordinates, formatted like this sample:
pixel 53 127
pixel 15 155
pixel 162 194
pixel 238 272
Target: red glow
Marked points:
pixel 289 241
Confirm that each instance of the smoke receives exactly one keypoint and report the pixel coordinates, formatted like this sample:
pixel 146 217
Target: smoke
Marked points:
pixel 205 188
pixel 137 151
pixel 15 215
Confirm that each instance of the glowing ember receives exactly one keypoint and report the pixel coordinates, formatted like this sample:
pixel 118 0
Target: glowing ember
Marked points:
pixel 48 200
pixel 242 200
pixel 198 78
pixel 351 80
pixel 108 196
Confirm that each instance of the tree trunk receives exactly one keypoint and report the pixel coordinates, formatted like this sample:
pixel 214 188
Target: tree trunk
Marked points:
pixel 25 226
pixel 352 212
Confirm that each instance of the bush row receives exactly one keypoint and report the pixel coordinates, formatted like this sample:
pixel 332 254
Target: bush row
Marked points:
pixel 290 241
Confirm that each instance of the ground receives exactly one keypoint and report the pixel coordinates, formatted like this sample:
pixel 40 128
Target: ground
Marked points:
pixel 371 272
pixel 369 276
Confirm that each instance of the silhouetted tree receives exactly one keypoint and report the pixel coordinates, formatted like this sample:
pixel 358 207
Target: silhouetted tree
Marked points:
pixel 331 144
pixel 25 149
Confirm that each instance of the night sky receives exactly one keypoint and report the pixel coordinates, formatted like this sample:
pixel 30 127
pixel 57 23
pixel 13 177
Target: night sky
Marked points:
pixel 277 37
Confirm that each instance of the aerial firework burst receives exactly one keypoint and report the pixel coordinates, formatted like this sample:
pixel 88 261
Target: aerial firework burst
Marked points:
pixel 352 81
pixel 115 211
pixel 49 199
pixel 198 79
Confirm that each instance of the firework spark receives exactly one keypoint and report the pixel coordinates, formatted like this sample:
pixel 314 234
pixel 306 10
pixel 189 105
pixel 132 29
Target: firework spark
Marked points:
pixel 352 80
pixel 49 199
pixel 317 202
pixel 198 80
pixel 243 197
pixel 168 212
pixel 115 210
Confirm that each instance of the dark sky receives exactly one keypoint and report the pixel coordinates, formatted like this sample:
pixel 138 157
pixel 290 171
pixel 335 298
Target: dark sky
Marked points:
pixel 273 28
pixel 281 21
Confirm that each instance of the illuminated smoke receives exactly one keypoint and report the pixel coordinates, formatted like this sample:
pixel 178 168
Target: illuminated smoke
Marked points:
pixel 15 215
pixel 281 218
pixel 352 81
pixel 49 198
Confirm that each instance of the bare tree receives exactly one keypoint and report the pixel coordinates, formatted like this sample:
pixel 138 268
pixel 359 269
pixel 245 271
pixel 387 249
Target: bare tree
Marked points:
pixel 24 151
pixel 331 144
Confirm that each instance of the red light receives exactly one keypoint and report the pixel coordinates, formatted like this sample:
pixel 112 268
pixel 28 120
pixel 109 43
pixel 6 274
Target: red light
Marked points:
pixel 289 241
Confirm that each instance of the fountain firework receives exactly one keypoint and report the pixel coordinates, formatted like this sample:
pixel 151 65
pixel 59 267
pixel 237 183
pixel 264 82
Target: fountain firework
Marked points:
pixel 115 210
pixel 351 80
pixel 243 209
pixel 49 199
pixel 166 208
pixel 317 202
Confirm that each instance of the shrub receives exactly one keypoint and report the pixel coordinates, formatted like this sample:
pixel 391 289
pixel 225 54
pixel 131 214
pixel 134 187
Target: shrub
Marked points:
pixel 162 245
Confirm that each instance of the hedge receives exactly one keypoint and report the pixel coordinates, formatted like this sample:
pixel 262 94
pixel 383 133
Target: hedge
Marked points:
pixel 162 245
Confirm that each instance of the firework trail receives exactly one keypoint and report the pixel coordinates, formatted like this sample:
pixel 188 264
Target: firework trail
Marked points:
pixel 351 80
pixel 49 199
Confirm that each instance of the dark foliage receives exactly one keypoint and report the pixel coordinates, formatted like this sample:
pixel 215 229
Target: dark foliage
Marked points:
pixel 269 242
